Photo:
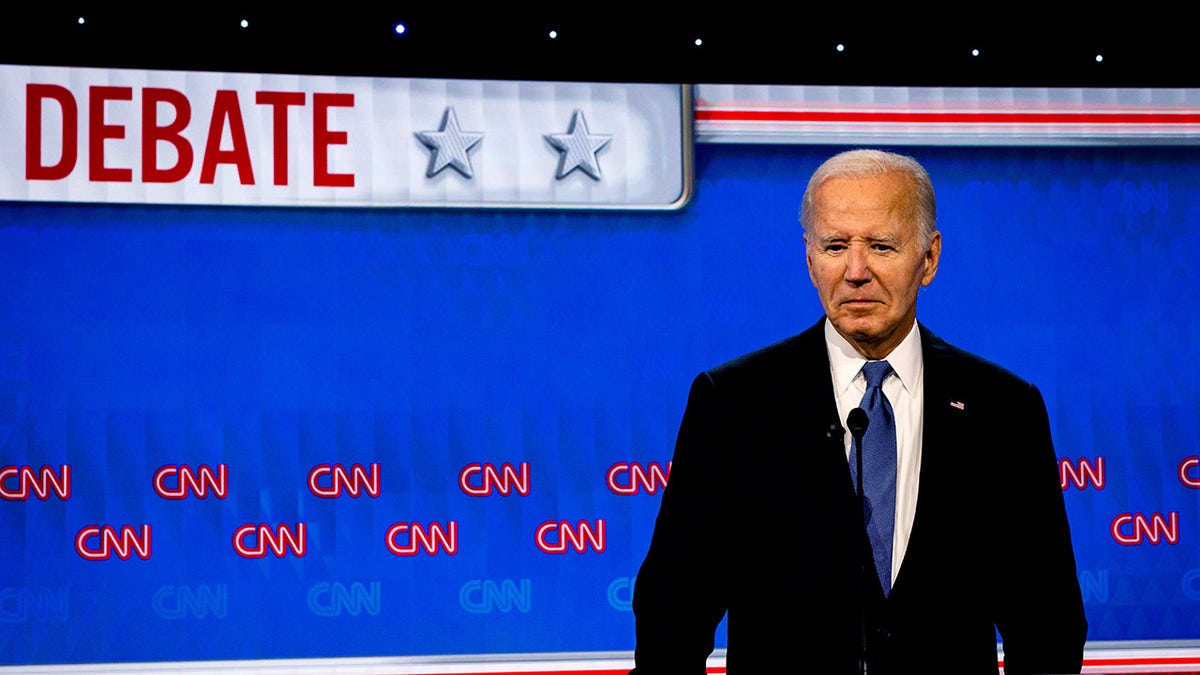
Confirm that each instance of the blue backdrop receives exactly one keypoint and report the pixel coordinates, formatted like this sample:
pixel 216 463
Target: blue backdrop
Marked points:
pixel 274 340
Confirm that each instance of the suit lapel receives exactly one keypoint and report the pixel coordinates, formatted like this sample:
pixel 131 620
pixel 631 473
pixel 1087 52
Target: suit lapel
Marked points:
pixel 944 424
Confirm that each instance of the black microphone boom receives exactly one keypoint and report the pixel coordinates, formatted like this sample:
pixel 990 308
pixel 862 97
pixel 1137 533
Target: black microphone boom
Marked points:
pixel 858 422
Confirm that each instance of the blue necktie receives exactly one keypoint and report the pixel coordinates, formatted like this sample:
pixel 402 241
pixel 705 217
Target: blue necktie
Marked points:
pixel 879 470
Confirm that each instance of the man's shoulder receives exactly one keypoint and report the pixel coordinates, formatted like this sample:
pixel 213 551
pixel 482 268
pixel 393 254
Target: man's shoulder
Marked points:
pixel 791 356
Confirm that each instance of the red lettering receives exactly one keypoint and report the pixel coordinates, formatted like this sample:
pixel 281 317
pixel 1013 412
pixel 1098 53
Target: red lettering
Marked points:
pixel 39 483
pixel 125 543
pixel 1080 474
pixel 165 118
pixel 323 137
pixel 504 480
pixel 354 481
pixel 1184 476
pixel 35 94
pixel 171 133
pixel 650 478
pixel 226 110
pixel 427 538
pixel 280 540
pixel 1153 529
pixel 194 481
pixel 279 102
pixel 98 132
pixel 578 537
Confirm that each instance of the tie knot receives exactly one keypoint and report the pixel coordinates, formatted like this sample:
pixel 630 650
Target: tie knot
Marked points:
pixel 876 372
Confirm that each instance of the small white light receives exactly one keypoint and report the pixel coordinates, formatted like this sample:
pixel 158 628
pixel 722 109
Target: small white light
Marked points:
pixel 699 42
pixel 244 24
pixel 841 47
pixel 1099 58
pixel 553 34
pixel 81 21
pixel 974 52
pixel 400 29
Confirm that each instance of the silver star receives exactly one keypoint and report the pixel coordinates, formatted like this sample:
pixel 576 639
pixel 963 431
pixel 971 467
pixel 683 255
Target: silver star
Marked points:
pixel 578 148
pixel 449 146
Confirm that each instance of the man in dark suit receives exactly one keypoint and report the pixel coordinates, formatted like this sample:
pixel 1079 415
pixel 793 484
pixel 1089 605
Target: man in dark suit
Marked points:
pixel 962 531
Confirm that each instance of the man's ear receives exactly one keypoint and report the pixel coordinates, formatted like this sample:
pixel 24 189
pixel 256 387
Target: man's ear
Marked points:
pixel 931 259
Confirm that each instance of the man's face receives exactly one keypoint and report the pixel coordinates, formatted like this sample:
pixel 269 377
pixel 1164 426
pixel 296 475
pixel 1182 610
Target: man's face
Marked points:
pixel 865 258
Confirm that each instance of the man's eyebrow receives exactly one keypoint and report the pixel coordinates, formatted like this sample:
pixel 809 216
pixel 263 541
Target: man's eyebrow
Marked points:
pixel 889 239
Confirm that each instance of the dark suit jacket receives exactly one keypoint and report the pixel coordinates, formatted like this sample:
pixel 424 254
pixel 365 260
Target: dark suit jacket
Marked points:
pixel 759 519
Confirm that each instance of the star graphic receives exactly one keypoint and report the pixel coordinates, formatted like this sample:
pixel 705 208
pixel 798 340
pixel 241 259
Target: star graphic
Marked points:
pixel 449 146
pixel 578 147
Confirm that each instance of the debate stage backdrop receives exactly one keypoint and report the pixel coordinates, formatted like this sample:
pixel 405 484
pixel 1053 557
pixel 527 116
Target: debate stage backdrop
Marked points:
pixel 260 421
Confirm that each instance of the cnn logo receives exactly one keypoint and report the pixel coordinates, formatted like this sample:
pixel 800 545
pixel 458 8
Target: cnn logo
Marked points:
pixel 1131 529
pixel 19 483
pixel 627 478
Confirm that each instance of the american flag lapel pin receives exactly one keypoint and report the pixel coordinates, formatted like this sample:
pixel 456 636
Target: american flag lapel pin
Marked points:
pixel 958 404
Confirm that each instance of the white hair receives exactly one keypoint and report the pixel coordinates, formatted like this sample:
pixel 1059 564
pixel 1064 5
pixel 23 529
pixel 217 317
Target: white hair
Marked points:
pixel 870 163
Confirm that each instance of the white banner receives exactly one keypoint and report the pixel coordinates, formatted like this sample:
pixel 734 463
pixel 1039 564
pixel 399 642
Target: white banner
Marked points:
pixel 145 136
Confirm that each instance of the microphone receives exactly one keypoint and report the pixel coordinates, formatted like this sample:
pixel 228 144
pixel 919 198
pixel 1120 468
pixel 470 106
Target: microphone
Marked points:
pixel 858 422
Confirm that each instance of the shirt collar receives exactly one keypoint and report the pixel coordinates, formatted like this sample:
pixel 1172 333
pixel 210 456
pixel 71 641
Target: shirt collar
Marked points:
pixel 845 363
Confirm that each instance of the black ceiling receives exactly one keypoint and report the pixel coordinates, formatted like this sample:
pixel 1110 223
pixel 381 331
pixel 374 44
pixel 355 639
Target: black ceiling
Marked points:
pixel 1142 45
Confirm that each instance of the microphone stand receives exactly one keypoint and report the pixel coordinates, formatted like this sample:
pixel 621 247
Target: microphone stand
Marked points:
pixel 858 421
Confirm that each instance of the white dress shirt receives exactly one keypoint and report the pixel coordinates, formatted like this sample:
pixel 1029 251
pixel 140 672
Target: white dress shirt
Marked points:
pixel 904 389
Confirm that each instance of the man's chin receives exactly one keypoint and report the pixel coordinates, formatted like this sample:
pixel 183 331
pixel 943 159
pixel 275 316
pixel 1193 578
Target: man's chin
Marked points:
pixel 866 332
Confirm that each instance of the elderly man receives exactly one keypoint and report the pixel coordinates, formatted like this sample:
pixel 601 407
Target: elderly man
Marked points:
pixel 960 531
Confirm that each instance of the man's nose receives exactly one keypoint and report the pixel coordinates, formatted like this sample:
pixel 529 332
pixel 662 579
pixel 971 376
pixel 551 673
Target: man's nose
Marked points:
pixel 858 270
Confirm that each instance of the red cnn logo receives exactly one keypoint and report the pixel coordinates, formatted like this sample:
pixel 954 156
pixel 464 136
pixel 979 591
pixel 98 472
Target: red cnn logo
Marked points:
pixel 124 544
pixel 353 482
pixel 1079 474
pixel 424 538
pixel 628 479
pixel 279 540
pixel 194 481
pixel 579 537
pixel 1140 529
pixel 503 480
pixel 39 482
pixel 1191 480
